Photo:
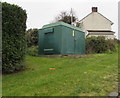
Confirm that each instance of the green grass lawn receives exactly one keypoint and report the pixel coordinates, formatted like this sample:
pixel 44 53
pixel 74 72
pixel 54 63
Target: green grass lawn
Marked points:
pixel 94 75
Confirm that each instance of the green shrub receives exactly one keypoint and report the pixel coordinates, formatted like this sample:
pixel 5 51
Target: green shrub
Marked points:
pixel 32 37
pixel 32 51
pixel 99 45
pixel 13 37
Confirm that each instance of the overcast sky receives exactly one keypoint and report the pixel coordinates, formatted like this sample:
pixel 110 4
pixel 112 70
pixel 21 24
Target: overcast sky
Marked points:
pixel 41 12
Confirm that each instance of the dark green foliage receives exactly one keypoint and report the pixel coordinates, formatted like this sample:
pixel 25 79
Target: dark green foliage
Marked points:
pixel 32 51
pixel 13 37
pixel 99 45
pixel 32 37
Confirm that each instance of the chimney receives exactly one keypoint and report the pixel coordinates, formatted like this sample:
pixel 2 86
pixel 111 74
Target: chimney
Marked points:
pixel 94 9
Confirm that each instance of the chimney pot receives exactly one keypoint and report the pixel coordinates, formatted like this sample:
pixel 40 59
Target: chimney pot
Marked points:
pixel 94 9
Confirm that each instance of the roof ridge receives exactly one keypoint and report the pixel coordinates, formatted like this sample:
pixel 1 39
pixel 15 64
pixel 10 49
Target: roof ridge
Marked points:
pixel 61 23
pixel 106 18
pixel 85 16
pixel 98 13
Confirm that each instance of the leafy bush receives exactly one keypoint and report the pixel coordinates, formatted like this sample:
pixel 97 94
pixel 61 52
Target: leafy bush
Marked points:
pixel 13 37
pixel 99 45
pixel 32 37
pixel 32 51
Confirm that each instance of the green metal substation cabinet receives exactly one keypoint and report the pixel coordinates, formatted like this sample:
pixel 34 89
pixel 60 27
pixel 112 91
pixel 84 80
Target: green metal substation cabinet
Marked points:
pixel 61 38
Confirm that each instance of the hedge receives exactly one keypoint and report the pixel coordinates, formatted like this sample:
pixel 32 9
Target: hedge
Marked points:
pixel 99 44
pixel 13 37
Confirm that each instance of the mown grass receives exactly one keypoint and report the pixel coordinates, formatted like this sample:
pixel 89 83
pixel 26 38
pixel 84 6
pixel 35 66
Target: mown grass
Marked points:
pixel 94 75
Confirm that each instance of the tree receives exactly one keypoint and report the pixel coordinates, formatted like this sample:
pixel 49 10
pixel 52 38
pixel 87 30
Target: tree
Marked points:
pixel 13 37
pixel 67 17
pixel 32 37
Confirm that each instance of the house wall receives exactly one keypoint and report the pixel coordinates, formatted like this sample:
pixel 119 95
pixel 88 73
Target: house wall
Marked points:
pixel 95 21
pixel 106 36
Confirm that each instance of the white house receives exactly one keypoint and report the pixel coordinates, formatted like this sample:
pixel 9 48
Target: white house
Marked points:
pixel 95 24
